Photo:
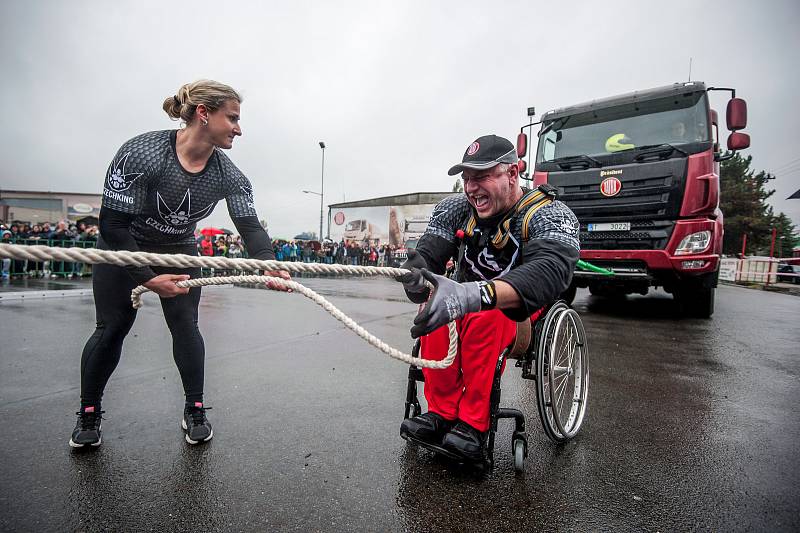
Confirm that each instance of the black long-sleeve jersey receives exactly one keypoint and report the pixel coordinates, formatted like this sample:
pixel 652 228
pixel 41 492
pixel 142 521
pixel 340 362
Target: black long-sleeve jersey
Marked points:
pixel 150 200
pixel 533 247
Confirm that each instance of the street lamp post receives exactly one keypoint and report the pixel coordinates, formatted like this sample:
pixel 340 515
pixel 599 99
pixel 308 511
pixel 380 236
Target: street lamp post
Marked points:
pixel 321 194
pixel 322 190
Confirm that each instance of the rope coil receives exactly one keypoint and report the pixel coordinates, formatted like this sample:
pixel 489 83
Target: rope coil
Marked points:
pixel 124 258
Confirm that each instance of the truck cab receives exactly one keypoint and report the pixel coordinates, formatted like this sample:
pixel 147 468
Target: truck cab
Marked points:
pixel 641 173
pixel 361 231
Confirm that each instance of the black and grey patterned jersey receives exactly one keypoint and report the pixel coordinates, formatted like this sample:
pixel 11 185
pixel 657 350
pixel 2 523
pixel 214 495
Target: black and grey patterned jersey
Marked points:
pixel 533 247
pixel 146 179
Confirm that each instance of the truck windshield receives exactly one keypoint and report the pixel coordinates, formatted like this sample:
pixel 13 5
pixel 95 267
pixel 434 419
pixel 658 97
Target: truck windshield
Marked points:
pixel 671 120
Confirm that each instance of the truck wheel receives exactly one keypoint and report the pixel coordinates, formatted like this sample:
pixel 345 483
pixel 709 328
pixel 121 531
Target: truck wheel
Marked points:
pixel 569 294
pixel 697 302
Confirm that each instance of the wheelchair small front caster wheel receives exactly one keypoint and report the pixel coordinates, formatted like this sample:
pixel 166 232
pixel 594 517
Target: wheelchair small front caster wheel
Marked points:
pixel 519 455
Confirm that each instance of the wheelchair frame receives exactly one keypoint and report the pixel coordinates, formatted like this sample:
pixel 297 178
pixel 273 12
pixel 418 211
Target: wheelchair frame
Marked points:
pixel 556 356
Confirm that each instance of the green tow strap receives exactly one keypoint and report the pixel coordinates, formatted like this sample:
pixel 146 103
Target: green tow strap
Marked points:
pixel 583 265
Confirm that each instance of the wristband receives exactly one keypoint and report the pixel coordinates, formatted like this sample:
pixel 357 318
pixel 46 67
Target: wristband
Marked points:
pixel 488 295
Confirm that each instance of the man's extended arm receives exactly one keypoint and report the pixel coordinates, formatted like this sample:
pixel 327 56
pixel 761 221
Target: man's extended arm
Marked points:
pixel 539 281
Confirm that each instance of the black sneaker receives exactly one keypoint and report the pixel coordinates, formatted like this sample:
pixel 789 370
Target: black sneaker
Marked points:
pixel 466 441
pixel 87 431
pixel 196 425
pixel 428 427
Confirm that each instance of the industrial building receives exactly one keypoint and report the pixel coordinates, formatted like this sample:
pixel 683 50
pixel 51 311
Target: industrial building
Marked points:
pixel 37 207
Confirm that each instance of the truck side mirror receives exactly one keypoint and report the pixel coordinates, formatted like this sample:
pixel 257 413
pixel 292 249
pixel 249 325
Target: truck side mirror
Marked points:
pixel 522 145
pixel 522 166
pixel 736 114
pixel 738 141
pixel 715 126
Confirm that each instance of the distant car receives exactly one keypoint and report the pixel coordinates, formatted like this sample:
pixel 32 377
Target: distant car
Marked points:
pixel 789 269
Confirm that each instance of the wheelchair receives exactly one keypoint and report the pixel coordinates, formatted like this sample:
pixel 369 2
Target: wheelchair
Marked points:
pixel 551 350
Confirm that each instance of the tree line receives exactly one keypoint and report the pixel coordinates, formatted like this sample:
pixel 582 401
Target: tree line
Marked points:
pixel 743 200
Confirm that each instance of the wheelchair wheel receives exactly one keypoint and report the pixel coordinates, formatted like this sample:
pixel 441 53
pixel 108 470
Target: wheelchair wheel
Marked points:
pixel 519 455
pixel 562 373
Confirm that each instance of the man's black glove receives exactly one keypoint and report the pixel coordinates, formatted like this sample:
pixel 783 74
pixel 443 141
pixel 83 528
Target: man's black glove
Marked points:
pixel 449 301
pixel 412 281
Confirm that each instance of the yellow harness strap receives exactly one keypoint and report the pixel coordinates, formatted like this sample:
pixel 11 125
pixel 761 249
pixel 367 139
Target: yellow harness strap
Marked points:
pixel 527 218
pixel 532 200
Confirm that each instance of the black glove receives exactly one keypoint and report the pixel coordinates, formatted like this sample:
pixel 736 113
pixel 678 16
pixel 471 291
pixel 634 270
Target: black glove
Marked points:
pixel 412 281
pixel 449 301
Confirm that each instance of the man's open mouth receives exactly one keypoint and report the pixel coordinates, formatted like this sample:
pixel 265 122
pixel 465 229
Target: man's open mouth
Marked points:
pixel 480 201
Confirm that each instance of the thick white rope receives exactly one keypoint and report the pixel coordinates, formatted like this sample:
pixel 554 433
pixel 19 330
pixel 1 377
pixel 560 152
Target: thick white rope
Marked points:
pixel 122 258
pixel 329 307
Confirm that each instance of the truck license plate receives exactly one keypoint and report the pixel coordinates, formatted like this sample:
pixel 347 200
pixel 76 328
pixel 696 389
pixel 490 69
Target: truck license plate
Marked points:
pixel 610 226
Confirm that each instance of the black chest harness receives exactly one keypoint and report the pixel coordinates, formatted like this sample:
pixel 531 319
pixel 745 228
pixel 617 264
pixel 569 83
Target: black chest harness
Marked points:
pixel 489 251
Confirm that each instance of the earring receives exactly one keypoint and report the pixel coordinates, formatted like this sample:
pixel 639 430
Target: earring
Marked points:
pixel 203 121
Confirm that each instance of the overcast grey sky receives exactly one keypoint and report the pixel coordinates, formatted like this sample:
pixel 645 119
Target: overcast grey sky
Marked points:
pixel 397 90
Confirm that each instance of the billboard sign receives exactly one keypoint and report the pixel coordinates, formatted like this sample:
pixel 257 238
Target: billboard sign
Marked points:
pixel 376 226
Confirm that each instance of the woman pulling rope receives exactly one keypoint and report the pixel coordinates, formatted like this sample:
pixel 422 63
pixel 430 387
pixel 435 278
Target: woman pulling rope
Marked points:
pixel 158 186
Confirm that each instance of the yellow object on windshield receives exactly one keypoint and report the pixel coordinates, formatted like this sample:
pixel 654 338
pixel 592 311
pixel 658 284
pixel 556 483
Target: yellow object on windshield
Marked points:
pixel 618 142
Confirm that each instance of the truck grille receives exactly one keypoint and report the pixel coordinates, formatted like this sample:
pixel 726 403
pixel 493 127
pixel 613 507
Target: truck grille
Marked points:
pixel 652 190
pixel 644 235
pixel 650 199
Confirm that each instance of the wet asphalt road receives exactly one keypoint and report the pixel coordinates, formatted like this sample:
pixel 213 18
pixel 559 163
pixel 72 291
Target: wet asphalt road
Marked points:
pixel 692 424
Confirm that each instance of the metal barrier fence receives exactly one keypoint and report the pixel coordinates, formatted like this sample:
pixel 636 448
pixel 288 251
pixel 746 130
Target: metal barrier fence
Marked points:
pixel 765 270
pixel 15 268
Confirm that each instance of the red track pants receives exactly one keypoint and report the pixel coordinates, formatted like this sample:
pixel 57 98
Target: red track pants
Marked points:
pixel 463 390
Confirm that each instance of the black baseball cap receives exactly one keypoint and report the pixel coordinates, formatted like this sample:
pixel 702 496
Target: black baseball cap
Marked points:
pixel 486 152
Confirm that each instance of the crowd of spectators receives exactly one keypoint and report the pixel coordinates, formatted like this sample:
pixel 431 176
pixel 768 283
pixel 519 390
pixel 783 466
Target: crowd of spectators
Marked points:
pixel 68 234
pixel 220 245
pixel 342 253
pixel 63 233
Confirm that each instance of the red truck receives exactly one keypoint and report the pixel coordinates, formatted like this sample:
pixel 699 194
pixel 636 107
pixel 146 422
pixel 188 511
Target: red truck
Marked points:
pixel 641 172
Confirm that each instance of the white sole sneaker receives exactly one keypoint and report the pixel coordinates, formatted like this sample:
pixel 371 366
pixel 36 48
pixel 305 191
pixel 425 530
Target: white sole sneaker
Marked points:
pixel 74 444
pixel 190 441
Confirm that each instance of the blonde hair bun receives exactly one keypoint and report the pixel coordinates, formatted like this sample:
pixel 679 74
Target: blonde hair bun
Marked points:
pixel 212 94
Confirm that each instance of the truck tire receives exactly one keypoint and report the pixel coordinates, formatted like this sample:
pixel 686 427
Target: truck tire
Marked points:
pixel 697 302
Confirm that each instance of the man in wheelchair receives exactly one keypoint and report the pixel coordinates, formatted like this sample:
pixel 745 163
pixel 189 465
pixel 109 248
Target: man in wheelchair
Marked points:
pixel 515 252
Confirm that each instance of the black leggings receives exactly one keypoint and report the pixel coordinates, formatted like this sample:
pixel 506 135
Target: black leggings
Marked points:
pixel 112 299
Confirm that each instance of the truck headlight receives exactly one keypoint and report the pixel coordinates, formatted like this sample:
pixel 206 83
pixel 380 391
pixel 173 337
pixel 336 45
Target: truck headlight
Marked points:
pixel 694 243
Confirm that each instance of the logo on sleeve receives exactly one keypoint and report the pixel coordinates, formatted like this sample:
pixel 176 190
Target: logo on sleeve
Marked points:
pixel 183 214
pixel 561 220
pixel 118 179
pixel 248 191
